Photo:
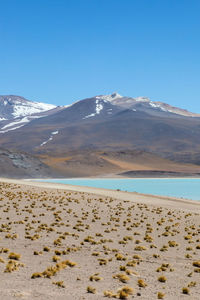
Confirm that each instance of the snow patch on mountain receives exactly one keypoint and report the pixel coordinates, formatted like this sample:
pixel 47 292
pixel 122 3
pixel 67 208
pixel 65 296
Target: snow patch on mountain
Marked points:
pixel 23 109
pixel 50 138
pixel 22 121
pixel 13 128
pixel 109 111
pixel 89 116
pixel 45 142
pixel 158 106
pixel 99 107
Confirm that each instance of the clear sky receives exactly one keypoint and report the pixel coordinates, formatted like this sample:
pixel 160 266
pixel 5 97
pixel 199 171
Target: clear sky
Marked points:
pixel 59 51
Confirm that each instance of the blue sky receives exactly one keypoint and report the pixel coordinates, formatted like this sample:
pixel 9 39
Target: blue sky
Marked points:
pixel 59 51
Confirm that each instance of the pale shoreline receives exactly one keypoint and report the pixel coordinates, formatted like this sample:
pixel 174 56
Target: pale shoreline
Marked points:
pixel 187 204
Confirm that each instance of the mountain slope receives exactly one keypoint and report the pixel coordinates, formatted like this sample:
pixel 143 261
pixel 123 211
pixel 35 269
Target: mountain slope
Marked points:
pixel 111 122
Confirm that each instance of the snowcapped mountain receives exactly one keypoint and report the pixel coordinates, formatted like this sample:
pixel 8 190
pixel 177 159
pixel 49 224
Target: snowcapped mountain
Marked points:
pixel 83 111
pixel 12 107
pixel 104 121
pixel 146 105
pixel 16 111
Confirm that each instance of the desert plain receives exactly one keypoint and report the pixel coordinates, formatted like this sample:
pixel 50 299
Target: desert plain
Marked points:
pixel 65 242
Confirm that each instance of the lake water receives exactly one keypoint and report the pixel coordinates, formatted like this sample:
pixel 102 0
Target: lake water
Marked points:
pixel 182 188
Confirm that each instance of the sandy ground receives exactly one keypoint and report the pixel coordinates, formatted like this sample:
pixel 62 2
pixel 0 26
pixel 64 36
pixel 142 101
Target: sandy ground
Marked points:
pixel 68 239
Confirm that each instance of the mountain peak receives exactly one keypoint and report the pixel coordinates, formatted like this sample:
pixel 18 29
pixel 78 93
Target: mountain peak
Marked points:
pixel 17 106
pixel 16 111
pixel 142 99
pixel 116 95
pixel 110 97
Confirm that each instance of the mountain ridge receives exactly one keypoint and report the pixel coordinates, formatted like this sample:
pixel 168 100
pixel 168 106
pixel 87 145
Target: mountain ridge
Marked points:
pixel 130 102
pixel 107 122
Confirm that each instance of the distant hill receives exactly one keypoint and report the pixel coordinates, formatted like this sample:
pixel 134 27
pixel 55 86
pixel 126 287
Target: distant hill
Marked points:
pixel 129 163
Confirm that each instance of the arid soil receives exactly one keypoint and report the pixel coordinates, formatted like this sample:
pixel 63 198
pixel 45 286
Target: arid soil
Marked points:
pixel 59 243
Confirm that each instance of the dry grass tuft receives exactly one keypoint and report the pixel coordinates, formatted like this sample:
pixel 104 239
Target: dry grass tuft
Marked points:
pixel 141 283
pixel 36 275
pixel 185 290
pixel 196 263
pixel 125 292
pixel 162 279
pixel 160 295
pixel 14 256
pixel 59 283
pixel 91 290
pixel 122 277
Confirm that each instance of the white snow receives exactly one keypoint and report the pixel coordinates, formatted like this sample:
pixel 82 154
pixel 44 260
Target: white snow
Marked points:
pixel 2 119
pixel 4 131
pixel 49 139
pixel 25 109
pixel 153 104
pixel 23 120
pixel 89 116
pixel 45 142
pixel 98 109
pixel 157 106
pixel 109 111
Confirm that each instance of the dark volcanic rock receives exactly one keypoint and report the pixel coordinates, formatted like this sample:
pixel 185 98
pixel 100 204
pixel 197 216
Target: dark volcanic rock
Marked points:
pixel 14 164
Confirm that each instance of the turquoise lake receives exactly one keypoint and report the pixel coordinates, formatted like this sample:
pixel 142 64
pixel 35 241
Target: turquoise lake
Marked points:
pixel 188 188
